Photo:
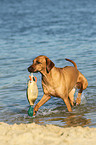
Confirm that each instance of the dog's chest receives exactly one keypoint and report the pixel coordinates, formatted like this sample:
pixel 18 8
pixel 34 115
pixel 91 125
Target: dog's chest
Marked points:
pixel 51 88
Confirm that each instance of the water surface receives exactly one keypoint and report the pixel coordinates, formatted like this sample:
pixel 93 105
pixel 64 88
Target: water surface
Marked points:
pixel 58 29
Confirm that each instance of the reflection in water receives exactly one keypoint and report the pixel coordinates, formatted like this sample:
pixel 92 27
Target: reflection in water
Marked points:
pixel 69 121
pixel 76 120
pixel 58 118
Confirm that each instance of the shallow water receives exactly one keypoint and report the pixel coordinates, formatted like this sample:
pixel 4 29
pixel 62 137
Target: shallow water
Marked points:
pixel 58 29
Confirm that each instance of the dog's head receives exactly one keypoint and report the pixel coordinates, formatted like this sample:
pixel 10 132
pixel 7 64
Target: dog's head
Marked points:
pixel 41 64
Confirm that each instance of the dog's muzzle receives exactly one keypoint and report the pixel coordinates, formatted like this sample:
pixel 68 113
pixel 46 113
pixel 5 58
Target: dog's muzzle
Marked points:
pixel 30 69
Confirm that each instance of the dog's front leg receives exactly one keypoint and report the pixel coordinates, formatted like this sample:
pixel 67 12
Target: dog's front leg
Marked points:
pixel 66 100
pixel 43 100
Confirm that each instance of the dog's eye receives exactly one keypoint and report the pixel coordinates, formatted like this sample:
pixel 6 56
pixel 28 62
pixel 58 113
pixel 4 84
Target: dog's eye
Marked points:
pixel 38 62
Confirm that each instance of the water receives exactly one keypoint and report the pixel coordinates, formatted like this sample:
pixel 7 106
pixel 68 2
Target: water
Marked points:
pixel 58 29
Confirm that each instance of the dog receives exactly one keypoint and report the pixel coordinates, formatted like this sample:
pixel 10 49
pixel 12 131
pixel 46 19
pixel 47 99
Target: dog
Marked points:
pixel 58 82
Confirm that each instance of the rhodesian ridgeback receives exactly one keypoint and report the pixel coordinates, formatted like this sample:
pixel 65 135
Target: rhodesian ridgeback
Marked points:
pixel 58 82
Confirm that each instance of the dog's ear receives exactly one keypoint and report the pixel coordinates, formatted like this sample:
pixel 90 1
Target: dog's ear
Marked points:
pixel 49 65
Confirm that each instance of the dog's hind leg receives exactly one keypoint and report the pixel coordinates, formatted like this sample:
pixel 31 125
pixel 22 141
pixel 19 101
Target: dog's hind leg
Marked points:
pixel 79 85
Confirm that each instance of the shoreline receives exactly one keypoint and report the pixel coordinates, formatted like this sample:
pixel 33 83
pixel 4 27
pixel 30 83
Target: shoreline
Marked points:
pixel 33 134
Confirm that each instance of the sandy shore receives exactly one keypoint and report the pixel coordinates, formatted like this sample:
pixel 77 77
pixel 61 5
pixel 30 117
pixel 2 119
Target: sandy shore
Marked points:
pixel 33 134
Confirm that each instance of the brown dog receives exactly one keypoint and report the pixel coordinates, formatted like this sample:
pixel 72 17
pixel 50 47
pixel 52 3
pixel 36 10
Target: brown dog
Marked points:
pixel 58 82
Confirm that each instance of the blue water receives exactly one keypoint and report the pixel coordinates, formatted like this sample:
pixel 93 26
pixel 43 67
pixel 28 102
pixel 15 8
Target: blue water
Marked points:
pixel 58 29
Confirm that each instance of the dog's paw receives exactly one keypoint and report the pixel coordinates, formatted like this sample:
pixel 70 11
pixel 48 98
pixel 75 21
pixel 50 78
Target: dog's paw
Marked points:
pixel 34 113
pixel 74 103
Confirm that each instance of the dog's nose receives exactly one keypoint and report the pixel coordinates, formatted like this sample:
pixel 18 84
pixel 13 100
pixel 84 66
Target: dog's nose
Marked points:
pixel 29 69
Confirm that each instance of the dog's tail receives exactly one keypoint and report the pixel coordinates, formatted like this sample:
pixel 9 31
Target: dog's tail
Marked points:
pixel 72 62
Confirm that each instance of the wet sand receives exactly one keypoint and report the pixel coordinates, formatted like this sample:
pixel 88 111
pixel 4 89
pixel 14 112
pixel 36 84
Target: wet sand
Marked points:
pixel 33 134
